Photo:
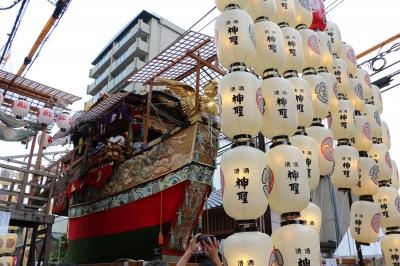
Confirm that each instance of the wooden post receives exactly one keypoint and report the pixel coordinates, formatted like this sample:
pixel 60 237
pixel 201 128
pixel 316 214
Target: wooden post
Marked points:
pixel 26 175
pixel 148 114
pixel 38 162
pixel 197 97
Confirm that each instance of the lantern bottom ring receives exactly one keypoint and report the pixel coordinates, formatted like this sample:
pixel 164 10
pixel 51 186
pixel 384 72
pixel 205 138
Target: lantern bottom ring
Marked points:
pixel 290 216
pixel 270 73
pixel 344 190
pixel 302 222
pixel 246 226
pixel 363 244
pixel 366 198
pixel 290 74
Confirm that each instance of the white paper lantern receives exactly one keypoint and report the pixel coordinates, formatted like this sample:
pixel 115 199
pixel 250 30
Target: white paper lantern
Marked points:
pixel 345 172
pixel 261 8
pixel 241 104
pixel 303 100
pixel 336 39
pixel 388 200
pixel 244 178
pixel 45 116
pixel 248 248
pixel 326 49
pixel 374 119
pixel 20 108
pixel 394 180
pixel 303 13
pixel 365 221
pixel 310 150
pixel 341 72
pixel 385 138
pixel 311 49
pixel 11 243
pixel 293 50
pixel 319 94
pixel 270 52
pixel 64 121
pixel 367 183
pixel 48 139
pixel 365 81
pixel 285 13
pixel 390 245
pixel 234 37
pixel 296 244
pixel 381 155
pixel 362 140
pixel 280 116
pixel 377 98
pixel 312 216
pixel 332 85
pixel 222 4
pixel 324 138
pixel 349 56
pixel 355 94
pixel 342 121
pixel 289 189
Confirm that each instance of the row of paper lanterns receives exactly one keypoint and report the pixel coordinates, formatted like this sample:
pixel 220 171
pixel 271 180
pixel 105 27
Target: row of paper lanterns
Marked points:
pixel 289 110
pixel 45 116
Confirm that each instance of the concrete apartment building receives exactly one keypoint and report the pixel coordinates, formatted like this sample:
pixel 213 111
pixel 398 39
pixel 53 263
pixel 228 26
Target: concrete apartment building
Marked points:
pixel 143 38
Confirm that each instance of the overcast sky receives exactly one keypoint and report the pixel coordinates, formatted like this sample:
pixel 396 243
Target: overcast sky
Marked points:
pixel 88 25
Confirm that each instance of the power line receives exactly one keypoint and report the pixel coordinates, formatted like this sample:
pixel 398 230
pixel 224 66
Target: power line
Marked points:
pixel 11 35
pixel 11 6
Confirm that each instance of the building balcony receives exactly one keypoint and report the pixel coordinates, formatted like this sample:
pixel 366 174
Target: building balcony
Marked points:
pixel 140 30
pixel 99 83
pixel 114 84
pixel 139 49
pixel 99 68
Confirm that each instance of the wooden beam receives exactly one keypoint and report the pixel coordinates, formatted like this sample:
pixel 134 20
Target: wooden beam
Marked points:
pixel 148 114
pixel 197 92
pixel 378 46
pixel 35 172
pixel 208 64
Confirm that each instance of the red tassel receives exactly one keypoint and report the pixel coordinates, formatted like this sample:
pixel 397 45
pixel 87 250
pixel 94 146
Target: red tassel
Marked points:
pixel 160 239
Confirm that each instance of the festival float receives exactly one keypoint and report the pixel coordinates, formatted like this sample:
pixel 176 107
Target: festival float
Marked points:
pixel 141 169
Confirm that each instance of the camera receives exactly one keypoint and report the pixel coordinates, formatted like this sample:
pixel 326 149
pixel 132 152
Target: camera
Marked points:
pixel 205 238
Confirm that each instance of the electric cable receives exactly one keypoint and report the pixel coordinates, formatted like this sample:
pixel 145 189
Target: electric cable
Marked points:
pixel 11 6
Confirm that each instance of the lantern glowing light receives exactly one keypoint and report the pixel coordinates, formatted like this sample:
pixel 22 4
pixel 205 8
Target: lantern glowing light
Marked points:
pixel 394 179
pixel 325 48
pixel 48 139
pixel 312 217
pixel 365 221
pixel 388 200
pixel 336 39
pixel 270 52
pixel 374 119
pixel 345 172
pixel 377 98
pixel 288 179
pixel 365 81
pixel 20 108
pixel 242 104
pixel 303 13
pixel 381 155
pixel 293 50
pixel 355 93
pixel 349 56
pixel 342 121
pixel 310 150
pixel 362 140
pixel 319 94
pixel 280 117
pixel 311 49
pixel 234 37
pixel 285 13
pixel 367 183
pixel 303 99
pixel 324 139
pixel 390 248
pixel 45 116
pixel 295 244
pixel 332 87
pixel 256 250
pixel 64 121
pixel 245 183
pixel 385 138
pixel 261 8
pixel 340 71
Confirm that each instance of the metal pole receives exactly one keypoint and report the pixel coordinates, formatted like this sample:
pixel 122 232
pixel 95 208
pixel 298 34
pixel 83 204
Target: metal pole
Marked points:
pixel 358 246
